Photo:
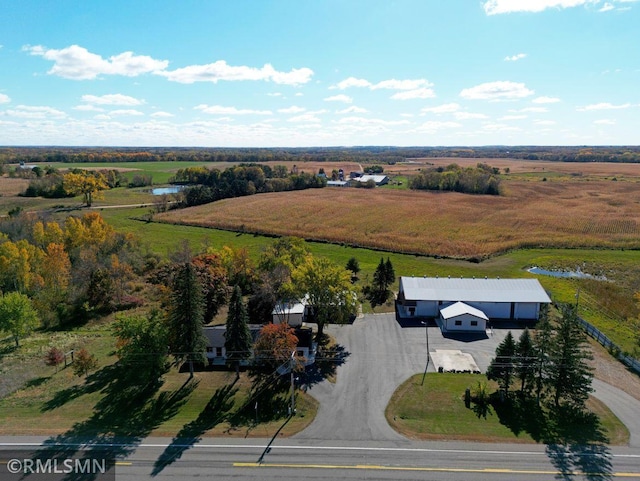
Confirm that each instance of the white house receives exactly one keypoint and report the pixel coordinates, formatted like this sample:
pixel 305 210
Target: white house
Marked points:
pixel 216 353
pixel 514 299
pixel 460 317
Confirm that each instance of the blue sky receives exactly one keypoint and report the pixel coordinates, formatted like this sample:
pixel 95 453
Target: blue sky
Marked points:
pixel 266 73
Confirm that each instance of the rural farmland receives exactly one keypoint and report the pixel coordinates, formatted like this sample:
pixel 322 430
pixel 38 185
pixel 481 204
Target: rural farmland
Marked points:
pixel 590 213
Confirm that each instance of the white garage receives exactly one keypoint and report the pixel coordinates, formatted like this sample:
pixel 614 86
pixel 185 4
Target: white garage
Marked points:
pixel 513 299
pixel 460 317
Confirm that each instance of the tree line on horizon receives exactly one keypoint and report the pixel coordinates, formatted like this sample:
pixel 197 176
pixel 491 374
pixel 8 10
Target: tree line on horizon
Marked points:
pixel 381 154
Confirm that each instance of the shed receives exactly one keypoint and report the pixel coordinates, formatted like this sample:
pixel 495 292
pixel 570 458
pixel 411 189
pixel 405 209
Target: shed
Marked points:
pixel 461 317
pixel 293 313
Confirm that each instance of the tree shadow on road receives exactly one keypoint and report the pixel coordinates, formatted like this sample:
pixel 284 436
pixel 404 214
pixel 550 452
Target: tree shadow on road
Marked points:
pixel 575 439
pixel 328 357
pixel 215 412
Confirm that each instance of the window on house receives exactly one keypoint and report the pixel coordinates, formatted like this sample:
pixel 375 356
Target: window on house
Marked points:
pixel 218 352
pixel 209 349
pixel 474 323
pixel 458 323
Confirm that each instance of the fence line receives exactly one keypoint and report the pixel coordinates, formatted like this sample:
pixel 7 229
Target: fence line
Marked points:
pixel 610 345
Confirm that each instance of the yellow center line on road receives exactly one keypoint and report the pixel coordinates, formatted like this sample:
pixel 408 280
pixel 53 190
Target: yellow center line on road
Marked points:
pixel 425 469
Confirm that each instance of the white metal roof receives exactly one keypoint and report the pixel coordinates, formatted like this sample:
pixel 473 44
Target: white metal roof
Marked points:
pixel 472 290
pixel 376 178
pixel 459 308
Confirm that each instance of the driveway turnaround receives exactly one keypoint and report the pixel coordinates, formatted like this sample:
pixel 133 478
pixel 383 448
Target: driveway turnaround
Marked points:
pixel 381 356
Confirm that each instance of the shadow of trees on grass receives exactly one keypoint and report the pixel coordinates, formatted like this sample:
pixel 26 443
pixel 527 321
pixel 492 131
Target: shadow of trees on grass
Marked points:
pixel 128 412
pixel 576 441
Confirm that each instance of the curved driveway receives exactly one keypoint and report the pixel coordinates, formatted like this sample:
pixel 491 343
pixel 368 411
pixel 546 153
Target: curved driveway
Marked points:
pixel 382 355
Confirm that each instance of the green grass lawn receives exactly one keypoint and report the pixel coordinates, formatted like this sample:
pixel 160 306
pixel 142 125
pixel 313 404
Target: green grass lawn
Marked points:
pixel 436 410
pixel 47 402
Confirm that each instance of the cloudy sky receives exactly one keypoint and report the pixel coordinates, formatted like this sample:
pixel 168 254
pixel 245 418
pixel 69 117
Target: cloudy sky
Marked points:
pixel 319 72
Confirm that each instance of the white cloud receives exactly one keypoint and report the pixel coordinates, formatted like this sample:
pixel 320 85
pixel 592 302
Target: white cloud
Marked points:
pixel 605 122
pixel 161 114
pixel 434 125
pixel 274 94
pixel 422 93
pixel 494 7
pixel 77 63
pixel 35 112
pixel 351 82
pixel 339 98
pixel 391 84
pixel 606 7
pixel 370 121
pixel 603 106
pixel 112 99
pixel 500 128
pixel 220 70
pixel 394 84
pixel 4 99
pixel 294 109
pixel 88 108
pixel 515 58
pixel 442 109
pixel 102 117
pixel 126 112
pixel 468 116
pixel 500 90
pixel 513 117
pixel 352 110
pixel 221 110
pixel 537 110
pixel 306 118
pixel 546 100
pixel 299 94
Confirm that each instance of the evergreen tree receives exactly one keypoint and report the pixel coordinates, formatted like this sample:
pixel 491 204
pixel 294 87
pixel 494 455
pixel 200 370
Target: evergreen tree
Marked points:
pixel 502 366
pixel 354 266
pixel 185 317
pixel 542 346
pixel 389 273
pixel 570 374
pixel 238 337
pixel 378 292
pixel 526 362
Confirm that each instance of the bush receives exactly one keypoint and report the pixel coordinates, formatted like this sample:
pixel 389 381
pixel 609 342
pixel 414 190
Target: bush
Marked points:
pixel 54 357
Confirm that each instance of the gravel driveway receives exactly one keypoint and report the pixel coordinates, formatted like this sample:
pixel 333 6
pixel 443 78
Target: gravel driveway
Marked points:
pixel 382 355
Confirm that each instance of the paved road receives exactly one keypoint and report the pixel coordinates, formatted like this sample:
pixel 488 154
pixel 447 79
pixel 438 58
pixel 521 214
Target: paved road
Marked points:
pixel 294 460
pixel 382 355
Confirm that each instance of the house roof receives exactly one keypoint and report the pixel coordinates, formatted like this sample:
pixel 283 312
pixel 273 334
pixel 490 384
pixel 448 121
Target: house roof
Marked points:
pixel 215 334
pixel 472 290
pixel 460 308
pixel 376 178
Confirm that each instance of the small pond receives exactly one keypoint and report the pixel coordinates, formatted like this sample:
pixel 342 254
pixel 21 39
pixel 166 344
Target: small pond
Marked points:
pixel 174 189
pixel 578 274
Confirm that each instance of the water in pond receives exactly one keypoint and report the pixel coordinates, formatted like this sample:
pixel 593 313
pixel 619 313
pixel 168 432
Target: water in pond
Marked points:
pixel 174 189
pixel 576 274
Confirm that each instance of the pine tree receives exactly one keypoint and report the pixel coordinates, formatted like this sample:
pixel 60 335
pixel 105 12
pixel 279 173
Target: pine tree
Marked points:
pixel 389 273
pixel 238 337
pixel 502 367
pixel 542 346
pixel 526 361
pixel 185 317
pixel 570 374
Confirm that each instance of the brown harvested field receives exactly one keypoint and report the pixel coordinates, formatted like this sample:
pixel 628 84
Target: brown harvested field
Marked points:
pixel 10 187
pixel 518 166
pixel 579 213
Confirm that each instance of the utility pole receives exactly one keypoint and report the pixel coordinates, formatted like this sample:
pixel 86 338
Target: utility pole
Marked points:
pixel 293 392
pixel 426 331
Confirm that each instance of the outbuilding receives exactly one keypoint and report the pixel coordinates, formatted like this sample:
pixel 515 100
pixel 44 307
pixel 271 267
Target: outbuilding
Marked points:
pixel 461 317
pixel 507 299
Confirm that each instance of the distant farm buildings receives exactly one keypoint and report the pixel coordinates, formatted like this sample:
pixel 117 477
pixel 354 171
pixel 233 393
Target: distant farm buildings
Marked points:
pixel 466 305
